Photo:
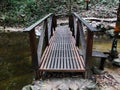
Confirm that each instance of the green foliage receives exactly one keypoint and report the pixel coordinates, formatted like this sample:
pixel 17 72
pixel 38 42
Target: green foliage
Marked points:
pixel 25 12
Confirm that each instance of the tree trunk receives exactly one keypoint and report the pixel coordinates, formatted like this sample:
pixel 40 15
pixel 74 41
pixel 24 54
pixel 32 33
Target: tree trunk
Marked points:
pixel 117 27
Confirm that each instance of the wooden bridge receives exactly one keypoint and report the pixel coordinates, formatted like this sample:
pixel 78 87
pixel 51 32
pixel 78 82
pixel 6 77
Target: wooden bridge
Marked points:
pixel 58 46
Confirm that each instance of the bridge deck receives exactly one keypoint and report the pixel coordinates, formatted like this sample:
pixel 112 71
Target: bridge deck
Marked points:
pixel 62 55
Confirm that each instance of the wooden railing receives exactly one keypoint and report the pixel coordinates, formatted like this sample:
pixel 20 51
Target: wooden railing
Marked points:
pixel 86 41
pixel 48 23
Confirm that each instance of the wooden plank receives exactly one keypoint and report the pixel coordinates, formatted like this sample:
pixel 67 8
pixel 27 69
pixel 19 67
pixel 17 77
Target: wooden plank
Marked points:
pixel 98 54
pixel 62 70
pixel 68 66
pixel 56 57
pixel 80 62
pixel 65 64
pixel 62 55
pixel 53 57
pixel 71 66
pixel 62 61
pixel 63 51
pixel 72 56
pixel 76 60
pixel 44 58
pixel 50 59
pixel 82 59
pixel 47 57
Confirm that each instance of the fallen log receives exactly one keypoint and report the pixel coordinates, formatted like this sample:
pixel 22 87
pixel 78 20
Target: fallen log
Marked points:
pixel 111 20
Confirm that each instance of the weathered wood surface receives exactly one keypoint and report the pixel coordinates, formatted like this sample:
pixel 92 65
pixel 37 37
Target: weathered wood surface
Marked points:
pixel 98 54
pixel 37 23
pixel 62 55
pixel 84 23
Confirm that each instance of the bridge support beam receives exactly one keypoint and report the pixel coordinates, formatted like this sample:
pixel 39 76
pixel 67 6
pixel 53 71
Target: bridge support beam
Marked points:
pixel 33 46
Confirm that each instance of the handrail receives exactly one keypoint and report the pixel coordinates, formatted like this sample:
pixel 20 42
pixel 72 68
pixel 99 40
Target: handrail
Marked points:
pixel 76 26
pixel 49 22
pixel 37 23
pixel 85 23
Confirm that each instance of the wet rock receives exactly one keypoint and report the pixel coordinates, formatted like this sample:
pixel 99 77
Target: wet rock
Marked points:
pixel 35 87
pixel 45 87
pixel 91 87
pixel 73 87
pixel 63 87
pixel 116 62
pixel 95 70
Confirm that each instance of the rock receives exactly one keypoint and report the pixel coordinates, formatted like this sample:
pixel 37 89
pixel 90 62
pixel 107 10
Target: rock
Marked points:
pixel 92 86
pixel 116 62
pixel 63 87
pixel 28 87
pixel 45 87
pixel 73 87
pixel 35 87
pixel 95 70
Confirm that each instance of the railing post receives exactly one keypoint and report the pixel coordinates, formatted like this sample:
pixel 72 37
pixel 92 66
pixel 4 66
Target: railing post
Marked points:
pixel 54 22
pixel 71 24
pixel 78 34
pixel 89 43
pixel 46 32
pixel 51 27
pixel 33 46
pixel 89 52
